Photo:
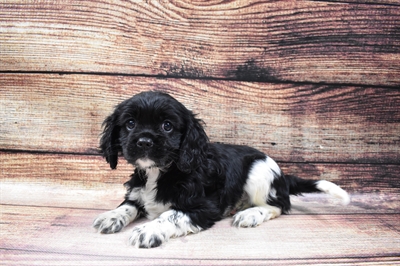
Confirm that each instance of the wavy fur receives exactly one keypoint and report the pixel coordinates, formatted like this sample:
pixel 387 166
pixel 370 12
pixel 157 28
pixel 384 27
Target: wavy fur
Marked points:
pixel 184 182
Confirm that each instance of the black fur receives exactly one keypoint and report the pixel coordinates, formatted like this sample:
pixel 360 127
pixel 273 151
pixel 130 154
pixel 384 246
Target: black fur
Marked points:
pixel 200 179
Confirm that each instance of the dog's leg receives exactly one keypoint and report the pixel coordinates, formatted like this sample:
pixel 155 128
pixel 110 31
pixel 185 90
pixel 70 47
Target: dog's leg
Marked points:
pixel 254 216
pixel 258 188
pixel 171 223
pixel 113 221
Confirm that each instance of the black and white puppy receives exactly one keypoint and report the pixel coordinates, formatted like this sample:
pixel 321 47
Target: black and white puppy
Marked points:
pixel 184 183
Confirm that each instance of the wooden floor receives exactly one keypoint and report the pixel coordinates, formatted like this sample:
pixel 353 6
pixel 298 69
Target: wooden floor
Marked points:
pixel 50 223
pixel 313 84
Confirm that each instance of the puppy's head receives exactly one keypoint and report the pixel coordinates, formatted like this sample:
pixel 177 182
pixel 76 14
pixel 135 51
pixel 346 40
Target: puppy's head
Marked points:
pixel 152 129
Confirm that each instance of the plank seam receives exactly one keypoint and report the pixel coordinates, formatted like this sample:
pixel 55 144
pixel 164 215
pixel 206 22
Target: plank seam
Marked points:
pixel 352 2
pixel 292 214
pixel 98 154
pixel 272 81
pixel 318 260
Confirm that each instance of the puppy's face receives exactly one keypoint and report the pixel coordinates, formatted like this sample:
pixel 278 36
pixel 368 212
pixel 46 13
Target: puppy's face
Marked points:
pixel 151 129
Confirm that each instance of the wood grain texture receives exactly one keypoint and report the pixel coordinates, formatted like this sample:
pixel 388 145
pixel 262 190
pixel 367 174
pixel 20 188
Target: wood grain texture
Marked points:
pixel 67 231
pixel 85 171
pixel 291 123
pixel 16 257
pixel 93 171
pixel 105 196
pixel 299 41
pixel 53 182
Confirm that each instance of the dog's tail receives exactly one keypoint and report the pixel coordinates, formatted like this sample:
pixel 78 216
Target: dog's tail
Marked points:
pixel 298 186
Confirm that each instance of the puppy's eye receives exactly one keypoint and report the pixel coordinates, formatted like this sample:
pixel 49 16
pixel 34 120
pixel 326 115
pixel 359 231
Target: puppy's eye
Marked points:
pixel 167 126
pixel 130 124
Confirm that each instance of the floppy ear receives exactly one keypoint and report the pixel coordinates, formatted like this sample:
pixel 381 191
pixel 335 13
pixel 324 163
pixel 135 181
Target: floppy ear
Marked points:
pixel 193 146
pixel 109 142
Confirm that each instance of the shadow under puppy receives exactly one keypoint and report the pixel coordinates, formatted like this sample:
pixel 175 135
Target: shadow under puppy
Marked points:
pixel 184 183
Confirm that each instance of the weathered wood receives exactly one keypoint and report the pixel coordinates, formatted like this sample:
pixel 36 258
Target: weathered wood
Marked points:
pixel 302 41
pixel 101 196
pixel 92 171
pixel 87 171
pixel 22 257
pixel 62 231
pixel 385 2
pixel 291 123
pixel 53 182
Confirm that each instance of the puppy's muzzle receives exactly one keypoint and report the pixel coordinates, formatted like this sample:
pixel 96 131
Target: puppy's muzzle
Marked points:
pixel 145 143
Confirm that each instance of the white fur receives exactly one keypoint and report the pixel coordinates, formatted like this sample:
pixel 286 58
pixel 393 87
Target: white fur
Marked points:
pixel 260 178
pixel 146 163
pixel 113 221
pixel 273 166
pixel 258 189
pixel 255 216
pixel 334 190
pixel 146 195
pixel 171 223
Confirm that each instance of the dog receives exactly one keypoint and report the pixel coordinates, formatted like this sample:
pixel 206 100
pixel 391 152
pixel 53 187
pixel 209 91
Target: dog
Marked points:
pixel 184 183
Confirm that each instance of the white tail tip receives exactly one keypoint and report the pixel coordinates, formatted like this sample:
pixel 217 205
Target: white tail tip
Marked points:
pixel 334 190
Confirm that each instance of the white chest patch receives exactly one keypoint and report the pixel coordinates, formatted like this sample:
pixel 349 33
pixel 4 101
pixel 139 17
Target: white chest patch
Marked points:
pixel 146 195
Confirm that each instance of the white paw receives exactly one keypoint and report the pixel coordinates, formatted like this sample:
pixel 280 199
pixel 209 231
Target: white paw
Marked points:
pixel 170 224
pixel 148 235
pixel 248 218
pixel 253 217
pixel 113 221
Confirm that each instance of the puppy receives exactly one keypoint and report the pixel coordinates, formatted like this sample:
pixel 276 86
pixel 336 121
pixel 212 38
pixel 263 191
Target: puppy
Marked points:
pixel 183 182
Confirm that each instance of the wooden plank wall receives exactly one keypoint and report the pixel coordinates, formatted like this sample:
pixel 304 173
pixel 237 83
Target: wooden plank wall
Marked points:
pixel 314 84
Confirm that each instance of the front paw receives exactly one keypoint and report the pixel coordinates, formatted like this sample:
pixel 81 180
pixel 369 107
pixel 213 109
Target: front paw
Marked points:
pixel 113 221
pixel 147 236
pixel 109 222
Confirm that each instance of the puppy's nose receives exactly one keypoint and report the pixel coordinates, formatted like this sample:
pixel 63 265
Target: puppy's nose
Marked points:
pixel 144 143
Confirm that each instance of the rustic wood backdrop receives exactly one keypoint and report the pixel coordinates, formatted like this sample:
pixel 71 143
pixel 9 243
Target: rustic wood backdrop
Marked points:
pixel 314 84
